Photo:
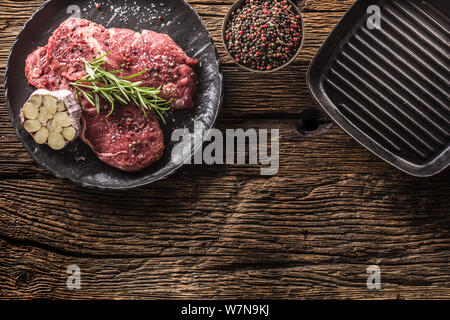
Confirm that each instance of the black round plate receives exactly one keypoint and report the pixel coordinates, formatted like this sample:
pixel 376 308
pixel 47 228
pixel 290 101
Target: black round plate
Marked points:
pixel 78 163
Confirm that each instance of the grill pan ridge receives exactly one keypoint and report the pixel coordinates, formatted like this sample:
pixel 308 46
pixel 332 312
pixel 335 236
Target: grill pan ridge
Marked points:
pixel 389 88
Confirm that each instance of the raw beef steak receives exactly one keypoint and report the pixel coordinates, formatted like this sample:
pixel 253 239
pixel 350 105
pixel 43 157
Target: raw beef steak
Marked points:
pixel 126 140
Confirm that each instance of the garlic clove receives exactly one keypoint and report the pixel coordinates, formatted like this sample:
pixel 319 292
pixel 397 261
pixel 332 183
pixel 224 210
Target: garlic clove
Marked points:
pixel 41 135
pixel 61 106
pixel 31 110
pixel 32 125
pixel 36 100
pixel 56 141
pixel 69 133
pixel 44 115
pixel 54 126
pixel 50 104
pixel 63 118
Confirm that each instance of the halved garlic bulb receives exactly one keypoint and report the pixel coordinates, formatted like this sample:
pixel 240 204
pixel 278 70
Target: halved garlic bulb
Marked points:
pixel 52 117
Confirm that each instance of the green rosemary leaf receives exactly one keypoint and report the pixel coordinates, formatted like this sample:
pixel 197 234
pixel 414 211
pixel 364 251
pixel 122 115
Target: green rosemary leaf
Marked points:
pixel 122 90
pixel 97 102
pixel 90 71
pixel 88 97
pixel 133 75
pixel 140 99
pixel 99 59
pixel 78 95
pixel 108 97
pixel 112 109
pixel 119 98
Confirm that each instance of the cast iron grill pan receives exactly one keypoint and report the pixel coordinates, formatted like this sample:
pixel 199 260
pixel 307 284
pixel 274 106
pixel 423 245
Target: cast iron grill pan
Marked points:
pixel 389 87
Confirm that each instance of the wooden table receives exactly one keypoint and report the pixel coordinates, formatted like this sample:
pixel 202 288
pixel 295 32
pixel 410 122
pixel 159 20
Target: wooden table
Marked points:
pixel 226 231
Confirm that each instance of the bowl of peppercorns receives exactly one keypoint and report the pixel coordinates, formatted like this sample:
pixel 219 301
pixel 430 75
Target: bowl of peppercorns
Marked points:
pixel 263 35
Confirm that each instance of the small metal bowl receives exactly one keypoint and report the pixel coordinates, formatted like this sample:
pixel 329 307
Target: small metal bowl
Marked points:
pixel 224 28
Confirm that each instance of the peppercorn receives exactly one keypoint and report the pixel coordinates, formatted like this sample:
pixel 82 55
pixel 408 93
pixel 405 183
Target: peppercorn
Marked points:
pixel 258 31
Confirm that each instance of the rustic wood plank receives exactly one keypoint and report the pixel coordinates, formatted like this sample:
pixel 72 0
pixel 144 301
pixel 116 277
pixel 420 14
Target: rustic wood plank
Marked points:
pixel 298 154
pixel 314 235
pixel 42 274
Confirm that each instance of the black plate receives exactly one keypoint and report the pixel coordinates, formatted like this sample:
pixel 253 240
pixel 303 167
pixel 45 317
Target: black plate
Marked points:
pixel 389 88
pixel 78 163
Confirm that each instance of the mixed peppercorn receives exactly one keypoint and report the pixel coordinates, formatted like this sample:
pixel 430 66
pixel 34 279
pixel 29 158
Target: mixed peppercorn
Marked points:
pixel 263 34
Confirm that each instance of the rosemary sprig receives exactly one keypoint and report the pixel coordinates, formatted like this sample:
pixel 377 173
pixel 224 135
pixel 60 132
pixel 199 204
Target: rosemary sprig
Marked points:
pixel 118 90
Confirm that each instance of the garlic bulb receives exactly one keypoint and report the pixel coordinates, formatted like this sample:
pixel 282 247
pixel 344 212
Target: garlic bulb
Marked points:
pixel 52 117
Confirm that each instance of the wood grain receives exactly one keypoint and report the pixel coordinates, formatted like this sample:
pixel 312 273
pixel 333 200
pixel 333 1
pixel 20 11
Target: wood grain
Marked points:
pixel 225 231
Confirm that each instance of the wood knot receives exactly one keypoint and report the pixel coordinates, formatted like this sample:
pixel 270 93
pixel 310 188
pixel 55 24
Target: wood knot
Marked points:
pixel 23 278
pixel 313 122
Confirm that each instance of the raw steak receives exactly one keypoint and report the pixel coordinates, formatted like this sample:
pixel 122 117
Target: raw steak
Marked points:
pixel 126 140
